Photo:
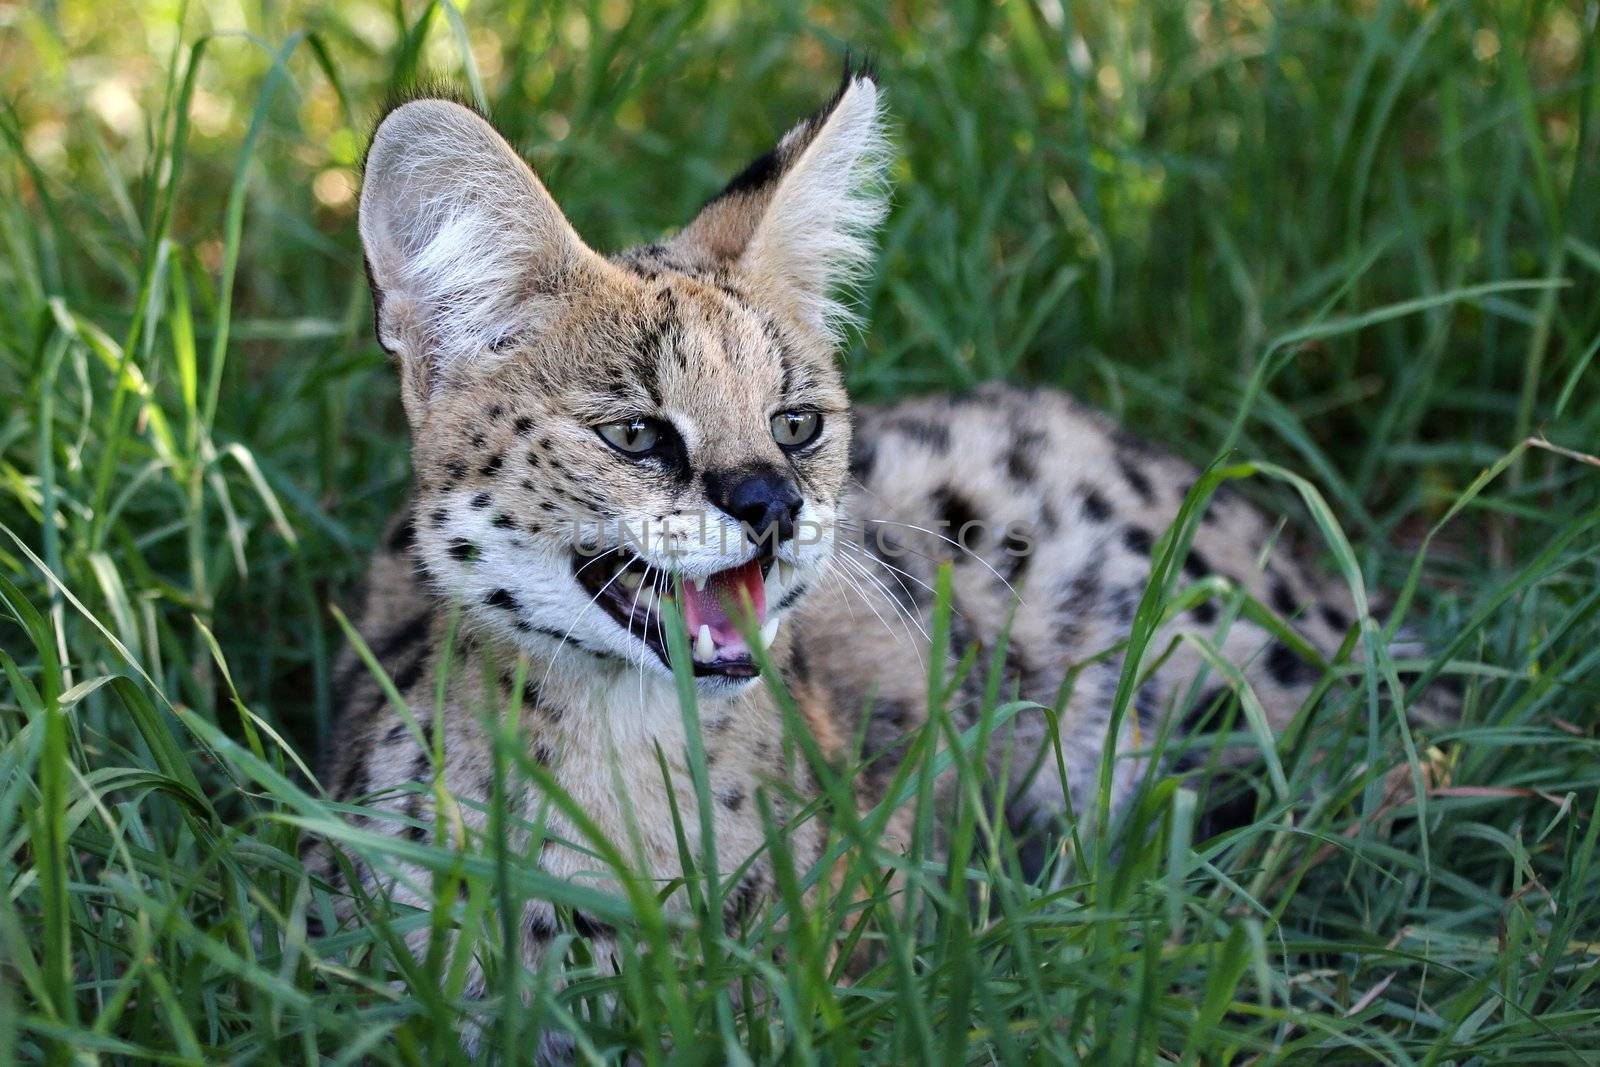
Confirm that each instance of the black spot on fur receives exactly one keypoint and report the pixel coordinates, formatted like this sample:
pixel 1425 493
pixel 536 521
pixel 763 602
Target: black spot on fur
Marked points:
pixel 1095 507
pixel 1137 539
pixel 955 513
pixel 482 499
pixel 1336 619
pixel 502 598
pixel 732 799
pixel 934 435
pixel 1285 667
pixel 884 741
pixel 799 664
pixel 1195 565
pixel 863 456
pixel 502 522
pixel 1147 706
pixel 537 925
pixel 1204 612
pixel 404 536
pixel 352 783
pixel 591 927
pixel 1124 603
pixel 1283 599
pixel 1021 457
pixel 477 439
pixel 743 901
pixel 492 466
pixel 495 411
pixel 438 517
pixel 407 676
pixel 1019 551
pixel 523 424
pixel 456 469
pixel 1201 713
pixel 463 551
pixel 1136 479
pixel 1075 604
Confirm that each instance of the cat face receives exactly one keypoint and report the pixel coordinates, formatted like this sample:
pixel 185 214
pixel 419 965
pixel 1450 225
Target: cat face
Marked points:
pixel 594 437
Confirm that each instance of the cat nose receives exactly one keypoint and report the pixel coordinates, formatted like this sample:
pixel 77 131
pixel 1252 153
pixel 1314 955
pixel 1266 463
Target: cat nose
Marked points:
pixel 764 499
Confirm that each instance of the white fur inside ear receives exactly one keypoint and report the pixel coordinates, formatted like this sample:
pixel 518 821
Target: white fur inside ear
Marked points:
pixel 815 237
pixel 466 247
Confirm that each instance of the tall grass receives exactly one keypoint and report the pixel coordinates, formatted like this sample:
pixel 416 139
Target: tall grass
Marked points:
pixel 1353 250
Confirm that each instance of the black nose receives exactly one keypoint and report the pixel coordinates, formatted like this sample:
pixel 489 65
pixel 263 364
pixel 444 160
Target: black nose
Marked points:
pixel 764 499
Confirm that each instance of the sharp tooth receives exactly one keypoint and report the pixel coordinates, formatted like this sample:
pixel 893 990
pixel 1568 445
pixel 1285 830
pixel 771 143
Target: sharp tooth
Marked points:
pixel 629 579
pixel 647 600
pixel 704 647
pixel 699 584
pixel 785 572
pixel 769 632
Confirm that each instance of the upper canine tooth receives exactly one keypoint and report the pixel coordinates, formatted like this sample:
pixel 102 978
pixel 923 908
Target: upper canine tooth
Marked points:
pixel 785 572
pixel 704 647
pixel 630 578
pixel 769 632
pixel 699 584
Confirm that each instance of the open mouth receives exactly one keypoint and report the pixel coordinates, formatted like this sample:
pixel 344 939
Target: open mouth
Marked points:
pixel 632 591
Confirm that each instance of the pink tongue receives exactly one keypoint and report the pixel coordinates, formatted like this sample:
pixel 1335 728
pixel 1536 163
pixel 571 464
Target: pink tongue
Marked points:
pixel 725 590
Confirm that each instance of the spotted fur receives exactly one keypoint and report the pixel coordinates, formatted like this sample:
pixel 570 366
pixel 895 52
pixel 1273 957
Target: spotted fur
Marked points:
pixel 514 340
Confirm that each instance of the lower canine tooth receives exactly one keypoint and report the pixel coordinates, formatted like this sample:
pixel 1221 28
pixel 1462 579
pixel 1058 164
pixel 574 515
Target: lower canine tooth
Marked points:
pixel 704 647
pixel 769 633
pixel 785 572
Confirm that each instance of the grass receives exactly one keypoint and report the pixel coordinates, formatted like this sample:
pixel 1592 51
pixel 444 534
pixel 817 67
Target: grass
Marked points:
pixel 1351 249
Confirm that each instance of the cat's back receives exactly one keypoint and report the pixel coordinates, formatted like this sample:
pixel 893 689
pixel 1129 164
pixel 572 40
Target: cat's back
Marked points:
pixel 1048 513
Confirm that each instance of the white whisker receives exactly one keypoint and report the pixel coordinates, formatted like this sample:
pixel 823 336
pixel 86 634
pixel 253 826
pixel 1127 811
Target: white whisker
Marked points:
pixel 851 584
pixel 900 609
pixel 578 616
pixel 865 557
pixel 948 540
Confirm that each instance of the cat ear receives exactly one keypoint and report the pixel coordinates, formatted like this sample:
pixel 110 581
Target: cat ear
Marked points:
pixel 465 249
pixel 799 220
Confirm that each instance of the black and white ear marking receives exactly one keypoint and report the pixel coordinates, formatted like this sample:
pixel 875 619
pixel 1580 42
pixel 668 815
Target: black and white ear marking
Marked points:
pixel 465 248
pixel 800 219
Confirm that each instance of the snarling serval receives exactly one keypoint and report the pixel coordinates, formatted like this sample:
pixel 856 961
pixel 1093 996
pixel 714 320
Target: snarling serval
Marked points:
pixel 606 446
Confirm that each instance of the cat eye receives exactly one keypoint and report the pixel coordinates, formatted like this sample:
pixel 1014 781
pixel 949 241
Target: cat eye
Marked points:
pixel 793 429
pixel 633 436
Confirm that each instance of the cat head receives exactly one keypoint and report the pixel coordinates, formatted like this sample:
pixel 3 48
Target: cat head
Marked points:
pixel 594 434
